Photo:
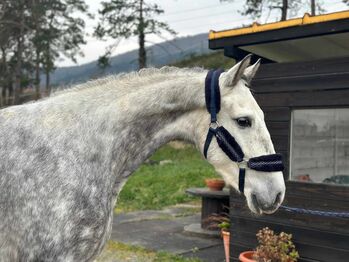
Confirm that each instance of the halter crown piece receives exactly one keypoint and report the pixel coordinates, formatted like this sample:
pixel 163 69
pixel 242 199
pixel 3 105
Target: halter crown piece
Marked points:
pixel 266 163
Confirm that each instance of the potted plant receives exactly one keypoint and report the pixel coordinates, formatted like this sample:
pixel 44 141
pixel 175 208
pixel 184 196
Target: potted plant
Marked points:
pixel 222 222
pixel 215 184
pixel 271 248
pixel 225 231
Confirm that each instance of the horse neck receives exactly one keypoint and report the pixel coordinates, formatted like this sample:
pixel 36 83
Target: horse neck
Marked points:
pixel 155 115
pixel 131 123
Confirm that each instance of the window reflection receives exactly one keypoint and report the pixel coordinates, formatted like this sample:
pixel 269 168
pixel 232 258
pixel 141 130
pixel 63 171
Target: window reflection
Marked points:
pixel 320 146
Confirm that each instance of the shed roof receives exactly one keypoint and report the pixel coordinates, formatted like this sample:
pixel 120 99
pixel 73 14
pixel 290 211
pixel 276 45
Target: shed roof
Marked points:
pixel 300 39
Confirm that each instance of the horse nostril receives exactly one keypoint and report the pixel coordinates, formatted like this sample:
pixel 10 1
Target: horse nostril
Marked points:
pixel 277 199
pixel 255 201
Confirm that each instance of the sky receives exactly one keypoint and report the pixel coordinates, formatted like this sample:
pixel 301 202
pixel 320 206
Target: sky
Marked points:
pixel 186 17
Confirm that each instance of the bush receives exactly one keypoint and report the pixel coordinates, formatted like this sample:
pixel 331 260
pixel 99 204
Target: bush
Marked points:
pixel 275 247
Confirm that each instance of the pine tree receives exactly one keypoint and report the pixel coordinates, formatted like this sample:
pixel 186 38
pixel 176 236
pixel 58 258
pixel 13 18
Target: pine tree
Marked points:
pixel 127 18
pixel 13 20
pixel 255 8
pixel 7 49
pixel 38 12
pixel 61 33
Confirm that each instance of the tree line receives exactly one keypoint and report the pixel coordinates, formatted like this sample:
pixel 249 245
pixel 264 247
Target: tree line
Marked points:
pixel 34 34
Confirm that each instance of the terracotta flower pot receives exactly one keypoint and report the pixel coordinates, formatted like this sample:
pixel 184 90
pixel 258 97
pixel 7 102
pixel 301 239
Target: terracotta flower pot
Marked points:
pixel 226 242
pixel 247 256
pixel 215 184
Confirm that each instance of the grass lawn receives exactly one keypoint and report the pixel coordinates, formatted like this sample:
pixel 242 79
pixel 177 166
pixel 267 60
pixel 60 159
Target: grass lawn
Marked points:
pixel 154 186
pixel 115 251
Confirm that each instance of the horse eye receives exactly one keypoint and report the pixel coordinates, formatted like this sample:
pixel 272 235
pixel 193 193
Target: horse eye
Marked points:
pixel 244 121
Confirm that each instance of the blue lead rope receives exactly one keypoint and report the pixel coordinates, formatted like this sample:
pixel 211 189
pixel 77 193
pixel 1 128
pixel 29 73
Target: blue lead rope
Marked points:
pixel 315 212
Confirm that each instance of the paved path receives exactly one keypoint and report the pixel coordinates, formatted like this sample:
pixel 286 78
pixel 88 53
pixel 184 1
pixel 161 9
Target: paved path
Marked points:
pixel 163 231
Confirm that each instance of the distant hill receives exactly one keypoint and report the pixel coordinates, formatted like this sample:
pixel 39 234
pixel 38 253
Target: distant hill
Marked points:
pixel 165 53
pixel 211 60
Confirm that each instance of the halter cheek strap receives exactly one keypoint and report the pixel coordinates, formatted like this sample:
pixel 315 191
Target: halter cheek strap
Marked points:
pixel 213 102
pixel 228 144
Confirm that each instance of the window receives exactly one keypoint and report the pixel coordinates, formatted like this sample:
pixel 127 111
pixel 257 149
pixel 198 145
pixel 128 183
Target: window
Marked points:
pixel 320 146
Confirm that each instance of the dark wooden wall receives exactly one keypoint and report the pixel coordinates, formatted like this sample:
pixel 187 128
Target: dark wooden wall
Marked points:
pixel 280 88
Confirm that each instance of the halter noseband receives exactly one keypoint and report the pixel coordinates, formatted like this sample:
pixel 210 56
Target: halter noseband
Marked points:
pixel 266 163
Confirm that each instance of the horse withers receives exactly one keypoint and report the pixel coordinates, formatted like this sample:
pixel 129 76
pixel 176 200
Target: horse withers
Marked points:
pixel 64 159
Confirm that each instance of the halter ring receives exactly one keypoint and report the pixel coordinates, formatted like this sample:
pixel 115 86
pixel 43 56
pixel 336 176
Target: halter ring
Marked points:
pixel 214 125
pixel 243 164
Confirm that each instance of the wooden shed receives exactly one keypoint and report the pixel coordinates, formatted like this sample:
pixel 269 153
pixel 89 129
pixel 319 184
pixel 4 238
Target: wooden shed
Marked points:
pixel 303 88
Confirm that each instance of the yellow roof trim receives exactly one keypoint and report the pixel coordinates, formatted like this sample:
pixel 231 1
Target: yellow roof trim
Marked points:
pixel 305 20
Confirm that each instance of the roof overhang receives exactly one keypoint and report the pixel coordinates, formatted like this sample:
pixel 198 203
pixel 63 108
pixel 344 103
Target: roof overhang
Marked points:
pixel 301 39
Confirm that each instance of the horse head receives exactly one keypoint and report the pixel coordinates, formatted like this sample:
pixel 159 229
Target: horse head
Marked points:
pixel 243 152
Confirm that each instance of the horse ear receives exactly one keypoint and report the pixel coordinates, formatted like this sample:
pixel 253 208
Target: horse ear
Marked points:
pixel 250 71
pixel 235 73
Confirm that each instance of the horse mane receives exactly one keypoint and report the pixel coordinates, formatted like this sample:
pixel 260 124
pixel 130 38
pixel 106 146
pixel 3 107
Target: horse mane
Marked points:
pixel 138 79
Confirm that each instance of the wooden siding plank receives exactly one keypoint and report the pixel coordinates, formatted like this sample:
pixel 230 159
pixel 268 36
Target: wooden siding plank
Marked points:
pixel 278 128
pixel 307 202
pixel 280 142
pixel 302 83
pixel 320 191
pixel 281 114
pixel 334 98
pixel 322 194
pixel 304 235
pixel 334 225
pixel 324 66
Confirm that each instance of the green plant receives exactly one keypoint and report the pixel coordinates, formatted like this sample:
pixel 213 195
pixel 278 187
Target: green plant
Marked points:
pixel 275 247
pixel 225 226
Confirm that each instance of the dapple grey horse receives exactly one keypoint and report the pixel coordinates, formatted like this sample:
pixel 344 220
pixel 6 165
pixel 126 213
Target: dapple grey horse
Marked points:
pixel 64 159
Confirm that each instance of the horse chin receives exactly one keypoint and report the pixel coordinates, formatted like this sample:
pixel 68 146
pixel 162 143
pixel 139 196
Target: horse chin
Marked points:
pixel 269 212
pixel 257 210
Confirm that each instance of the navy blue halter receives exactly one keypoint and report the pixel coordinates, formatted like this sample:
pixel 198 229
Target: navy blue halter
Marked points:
pixel 266 163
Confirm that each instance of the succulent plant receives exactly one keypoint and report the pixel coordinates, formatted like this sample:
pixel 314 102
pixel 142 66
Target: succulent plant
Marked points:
pixel 275 247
